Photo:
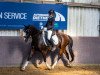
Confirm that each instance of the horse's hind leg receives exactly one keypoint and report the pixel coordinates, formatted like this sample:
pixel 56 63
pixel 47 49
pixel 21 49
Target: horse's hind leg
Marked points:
pixel 66 53
pixel 67 56
pixel 70 45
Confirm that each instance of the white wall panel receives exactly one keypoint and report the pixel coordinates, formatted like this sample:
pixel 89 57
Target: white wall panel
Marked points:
pixel 9 33
pixel 38 0
pixel 83 21
pixel 67 0
pixel 82 1
pixel 87 1
pixel 48 0
pixel 10 0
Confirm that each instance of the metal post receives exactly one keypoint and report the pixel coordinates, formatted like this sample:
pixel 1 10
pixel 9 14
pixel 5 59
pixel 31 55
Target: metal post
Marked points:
pixel 99 23
pixel 21 1
pixel 72 0
pixel 59 0
pixel 98 26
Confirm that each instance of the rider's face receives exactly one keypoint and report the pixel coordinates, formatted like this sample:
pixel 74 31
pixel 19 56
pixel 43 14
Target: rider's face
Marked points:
pixel 51 14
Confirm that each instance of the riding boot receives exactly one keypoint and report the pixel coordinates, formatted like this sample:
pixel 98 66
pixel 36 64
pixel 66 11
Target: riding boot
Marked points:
pixel 51 42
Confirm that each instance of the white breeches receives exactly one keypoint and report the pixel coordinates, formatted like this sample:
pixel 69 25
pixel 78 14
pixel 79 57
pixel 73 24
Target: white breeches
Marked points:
pixel 49 34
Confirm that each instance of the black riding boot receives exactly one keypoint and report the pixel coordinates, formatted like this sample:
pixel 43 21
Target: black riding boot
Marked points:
pixel 51 42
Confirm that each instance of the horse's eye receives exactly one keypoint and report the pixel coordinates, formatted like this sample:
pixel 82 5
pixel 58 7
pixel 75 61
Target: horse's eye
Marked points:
pixel 27 31
pixel 24 30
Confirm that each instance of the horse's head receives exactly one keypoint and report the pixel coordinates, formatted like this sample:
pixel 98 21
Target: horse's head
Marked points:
pixel 30 30
pixel 27 32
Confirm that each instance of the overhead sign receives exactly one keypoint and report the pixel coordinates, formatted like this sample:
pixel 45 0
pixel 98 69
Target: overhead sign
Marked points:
pixel 16 15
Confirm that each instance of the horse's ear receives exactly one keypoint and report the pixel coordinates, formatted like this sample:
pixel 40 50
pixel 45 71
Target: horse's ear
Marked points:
pixel 25 26
pixel 29 25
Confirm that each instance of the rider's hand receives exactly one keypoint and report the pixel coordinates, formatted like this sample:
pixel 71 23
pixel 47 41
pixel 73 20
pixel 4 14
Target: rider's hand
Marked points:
pixel 45 28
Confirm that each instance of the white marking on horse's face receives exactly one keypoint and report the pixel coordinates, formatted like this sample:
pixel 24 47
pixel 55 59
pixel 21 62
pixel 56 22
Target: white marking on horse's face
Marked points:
pixel 24 38
pixel 24 34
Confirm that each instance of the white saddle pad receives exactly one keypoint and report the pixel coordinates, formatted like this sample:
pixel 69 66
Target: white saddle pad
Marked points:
pixel 55 39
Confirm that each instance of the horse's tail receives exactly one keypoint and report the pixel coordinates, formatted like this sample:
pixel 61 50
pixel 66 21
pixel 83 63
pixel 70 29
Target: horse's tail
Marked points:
pixel 70 45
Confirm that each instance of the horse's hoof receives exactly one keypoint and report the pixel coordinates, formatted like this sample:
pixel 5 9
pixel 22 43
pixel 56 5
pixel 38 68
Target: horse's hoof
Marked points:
pixel 37 66
pixel 69 66
pixel 49 68
pixel 40 62
pixel 22 69
pixel 52 67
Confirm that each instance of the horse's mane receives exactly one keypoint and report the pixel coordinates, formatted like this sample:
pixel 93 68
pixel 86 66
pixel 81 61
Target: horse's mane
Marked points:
pixel 34 30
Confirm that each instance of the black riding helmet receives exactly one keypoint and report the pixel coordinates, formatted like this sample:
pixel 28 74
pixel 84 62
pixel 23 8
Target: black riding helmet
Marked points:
pixel 52 12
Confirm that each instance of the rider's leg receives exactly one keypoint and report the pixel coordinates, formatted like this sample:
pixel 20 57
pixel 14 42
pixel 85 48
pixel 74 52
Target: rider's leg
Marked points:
pixel 49 33
pixel 50 40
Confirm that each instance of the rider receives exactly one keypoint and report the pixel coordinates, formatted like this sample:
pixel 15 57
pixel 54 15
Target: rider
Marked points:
pixel 50 26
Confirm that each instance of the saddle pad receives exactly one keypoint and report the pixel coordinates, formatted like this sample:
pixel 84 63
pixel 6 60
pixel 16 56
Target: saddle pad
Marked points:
pixel 55 39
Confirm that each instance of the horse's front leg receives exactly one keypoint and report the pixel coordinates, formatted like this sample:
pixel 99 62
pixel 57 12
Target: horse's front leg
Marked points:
pixel 55 63
pixel 48 66
pixel 59 56
pixel 30 54
pixel 44 57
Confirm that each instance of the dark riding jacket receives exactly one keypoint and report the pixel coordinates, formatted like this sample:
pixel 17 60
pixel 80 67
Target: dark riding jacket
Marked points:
pixel 50 23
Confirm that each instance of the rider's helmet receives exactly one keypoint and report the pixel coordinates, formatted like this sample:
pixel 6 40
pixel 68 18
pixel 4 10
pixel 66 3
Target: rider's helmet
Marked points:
pixel 51 11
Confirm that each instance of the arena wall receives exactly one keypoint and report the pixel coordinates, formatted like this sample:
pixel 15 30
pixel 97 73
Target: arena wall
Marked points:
pixel 13 51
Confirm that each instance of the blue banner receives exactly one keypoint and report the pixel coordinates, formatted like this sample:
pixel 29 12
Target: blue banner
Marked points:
pixel 16 15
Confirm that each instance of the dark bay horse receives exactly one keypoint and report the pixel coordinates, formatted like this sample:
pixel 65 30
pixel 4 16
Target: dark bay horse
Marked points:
pixel 38 44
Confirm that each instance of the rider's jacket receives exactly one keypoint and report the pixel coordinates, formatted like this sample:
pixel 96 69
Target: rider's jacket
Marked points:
pixel 50 22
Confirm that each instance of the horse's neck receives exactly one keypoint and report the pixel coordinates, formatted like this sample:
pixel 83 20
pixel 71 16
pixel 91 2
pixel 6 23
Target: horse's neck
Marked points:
pixel 36 35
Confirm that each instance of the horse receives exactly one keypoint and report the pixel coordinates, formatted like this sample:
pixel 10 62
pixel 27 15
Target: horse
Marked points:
pixel 38 44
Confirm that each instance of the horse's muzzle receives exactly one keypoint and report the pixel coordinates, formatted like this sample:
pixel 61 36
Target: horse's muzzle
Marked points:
pixel 25 39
